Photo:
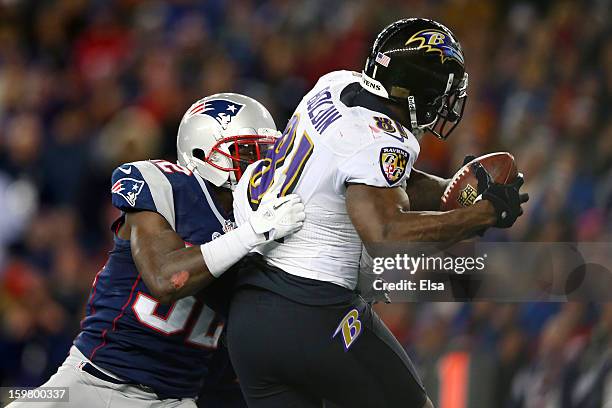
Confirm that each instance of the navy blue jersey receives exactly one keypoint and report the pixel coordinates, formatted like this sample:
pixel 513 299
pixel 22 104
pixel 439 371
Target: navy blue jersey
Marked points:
pixel 170 348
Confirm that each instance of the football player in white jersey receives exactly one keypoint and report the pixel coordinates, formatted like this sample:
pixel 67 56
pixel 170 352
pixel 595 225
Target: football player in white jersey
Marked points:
pixel 348 151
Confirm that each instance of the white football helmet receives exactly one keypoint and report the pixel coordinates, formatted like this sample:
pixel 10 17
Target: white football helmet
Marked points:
pixel 213 131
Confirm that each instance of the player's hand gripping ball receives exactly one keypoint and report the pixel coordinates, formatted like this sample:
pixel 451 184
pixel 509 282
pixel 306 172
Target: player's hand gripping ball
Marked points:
pixel 463 188
pixel 492 177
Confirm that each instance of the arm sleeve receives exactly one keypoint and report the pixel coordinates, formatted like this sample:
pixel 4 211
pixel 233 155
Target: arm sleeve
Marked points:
pixel 380 164
pixel 142 186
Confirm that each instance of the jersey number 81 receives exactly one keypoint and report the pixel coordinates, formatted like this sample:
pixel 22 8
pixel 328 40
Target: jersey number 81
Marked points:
pixel 288 157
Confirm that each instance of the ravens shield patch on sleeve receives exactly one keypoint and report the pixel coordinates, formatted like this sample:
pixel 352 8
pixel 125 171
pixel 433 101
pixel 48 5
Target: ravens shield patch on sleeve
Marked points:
pixel 393 163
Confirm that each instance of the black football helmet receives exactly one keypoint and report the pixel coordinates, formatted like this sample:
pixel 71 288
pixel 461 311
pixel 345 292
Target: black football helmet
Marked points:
pixel 419 63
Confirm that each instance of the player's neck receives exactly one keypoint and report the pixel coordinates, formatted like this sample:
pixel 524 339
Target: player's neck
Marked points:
pixel 403 117
pixel 354 95
pixel 224 198
pixel 399 113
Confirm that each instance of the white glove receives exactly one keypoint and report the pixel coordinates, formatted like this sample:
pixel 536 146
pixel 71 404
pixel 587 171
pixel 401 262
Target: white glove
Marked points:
pixel 278 217
pixel 274 219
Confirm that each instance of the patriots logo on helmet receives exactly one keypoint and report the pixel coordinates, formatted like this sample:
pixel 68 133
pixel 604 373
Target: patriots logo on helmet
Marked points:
pixel 222 110
pixel 128 188
pixel 439 42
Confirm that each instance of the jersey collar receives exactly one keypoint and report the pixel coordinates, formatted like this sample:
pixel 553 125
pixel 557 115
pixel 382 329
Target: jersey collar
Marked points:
pixel 354 95
pixel 216 208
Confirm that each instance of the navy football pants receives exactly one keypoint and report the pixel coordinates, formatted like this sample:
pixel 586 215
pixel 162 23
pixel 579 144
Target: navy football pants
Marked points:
pixel 286 355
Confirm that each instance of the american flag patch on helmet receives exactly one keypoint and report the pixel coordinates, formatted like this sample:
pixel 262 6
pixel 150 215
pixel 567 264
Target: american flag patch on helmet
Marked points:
pixel 383 59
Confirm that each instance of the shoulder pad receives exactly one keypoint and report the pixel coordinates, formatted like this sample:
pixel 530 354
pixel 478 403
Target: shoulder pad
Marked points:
pixel 143 185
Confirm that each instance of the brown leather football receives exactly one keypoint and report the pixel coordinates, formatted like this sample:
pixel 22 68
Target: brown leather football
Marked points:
pixel 462 190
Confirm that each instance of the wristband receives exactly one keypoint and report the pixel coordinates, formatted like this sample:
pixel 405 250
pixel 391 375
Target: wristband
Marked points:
pixel 221 253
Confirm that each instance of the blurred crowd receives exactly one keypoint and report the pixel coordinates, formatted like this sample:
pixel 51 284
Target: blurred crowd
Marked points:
pixel 88 85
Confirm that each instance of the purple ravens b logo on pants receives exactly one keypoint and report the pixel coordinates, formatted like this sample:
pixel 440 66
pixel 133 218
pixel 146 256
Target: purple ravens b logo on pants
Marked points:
pixel 222 110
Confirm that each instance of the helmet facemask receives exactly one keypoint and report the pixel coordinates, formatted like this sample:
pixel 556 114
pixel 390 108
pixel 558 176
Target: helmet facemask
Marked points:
pixel 232 154
pixel 450 110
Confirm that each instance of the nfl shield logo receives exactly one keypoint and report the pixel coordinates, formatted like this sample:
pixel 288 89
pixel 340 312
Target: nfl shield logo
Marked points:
pixel 467 196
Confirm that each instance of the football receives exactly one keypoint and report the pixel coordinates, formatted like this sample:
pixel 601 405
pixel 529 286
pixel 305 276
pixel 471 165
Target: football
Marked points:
pixel 462 190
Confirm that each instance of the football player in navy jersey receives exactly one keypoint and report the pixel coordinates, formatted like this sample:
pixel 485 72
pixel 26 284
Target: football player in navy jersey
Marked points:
pixel 151 334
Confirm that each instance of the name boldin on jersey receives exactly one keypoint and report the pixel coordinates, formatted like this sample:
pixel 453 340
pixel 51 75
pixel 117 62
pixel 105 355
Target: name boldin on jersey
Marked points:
pixel 321 110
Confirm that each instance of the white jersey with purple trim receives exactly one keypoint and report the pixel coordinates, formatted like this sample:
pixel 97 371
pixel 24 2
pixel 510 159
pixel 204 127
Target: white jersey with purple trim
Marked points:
pixel 326 146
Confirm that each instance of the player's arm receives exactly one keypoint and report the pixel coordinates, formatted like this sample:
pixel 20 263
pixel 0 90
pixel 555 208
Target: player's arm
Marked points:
pixel 169 270
pixel 425 190
pixel 172 271
pixel 382 215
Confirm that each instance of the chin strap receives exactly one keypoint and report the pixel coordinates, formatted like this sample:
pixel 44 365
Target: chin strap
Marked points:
pixel 228 184
pixel 414 124
pixel 190 166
